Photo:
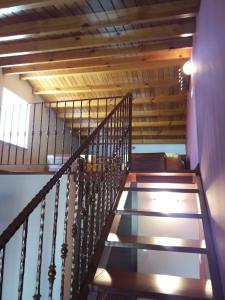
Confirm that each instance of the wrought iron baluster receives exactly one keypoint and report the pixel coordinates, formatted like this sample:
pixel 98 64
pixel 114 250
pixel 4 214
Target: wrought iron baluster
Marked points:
pixel 18 133
pixel 80 125
pixel 48 132
pixel 94 189
pixel 64 247
pixel 2 264
pixel 52 266
pixel 63 131
pixel 76 230
pixel 32 134
pixel 10 134
pixel 97 111
pixel 116 153
pixel 129 100
pixel 98 185
pixel 40 133
pixel 22 259
pixel 106 107
pixel 37 295
pixel 89 116
pixel 91 201
pixel 111 160
pixel 127 122
pixel 25 132
pixel 83 228
pixel 121 138
pixel 124 128
pixel 106 169
pixel 86 208
pixel 119 145
pixel 4 129
pixel 56 130
pixel 89 205
pixel 72 129
pixel 103 202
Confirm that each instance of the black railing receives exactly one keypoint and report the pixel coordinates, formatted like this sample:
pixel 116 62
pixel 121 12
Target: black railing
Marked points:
pixel 48 249
pixel 40 134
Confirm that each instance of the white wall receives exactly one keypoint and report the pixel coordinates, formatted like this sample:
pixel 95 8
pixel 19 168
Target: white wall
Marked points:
pixel 155 148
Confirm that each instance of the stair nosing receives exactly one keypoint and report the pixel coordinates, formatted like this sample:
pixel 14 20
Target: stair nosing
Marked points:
pixel 154 246
pixel 157 213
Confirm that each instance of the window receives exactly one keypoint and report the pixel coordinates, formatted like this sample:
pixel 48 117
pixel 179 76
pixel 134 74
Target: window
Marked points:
pixel 14 122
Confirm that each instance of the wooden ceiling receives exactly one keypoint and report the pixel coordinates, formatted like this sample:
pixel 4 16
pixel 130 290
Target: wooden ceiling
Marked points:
pixel 79 49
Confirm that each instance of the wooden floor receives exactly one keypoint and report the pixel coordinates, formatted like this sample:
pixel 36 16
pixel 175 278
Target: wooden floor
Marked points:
pixel 114 280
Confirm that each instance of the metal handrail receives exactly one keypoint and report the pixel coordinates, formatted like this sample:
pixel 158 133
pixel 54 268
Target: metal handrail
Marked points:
pixel 96 184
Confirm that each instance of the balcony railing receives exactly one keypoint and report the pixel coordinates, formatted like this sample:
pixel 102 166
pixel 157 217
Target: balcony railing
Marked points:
pixel 48 250
pixel 41 134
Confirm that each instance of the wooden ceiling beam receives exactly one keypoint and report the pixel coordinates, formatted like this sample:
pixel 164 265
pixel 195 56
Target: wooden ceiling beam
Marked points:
pixel 158 141
pixel 106 69
pixel 155 33
pixel 23 4
pixel 84 23
pixel 163 55
pixel 139 124
pixel 113 87
pixel 164 140
pixel 87 54
pixel 139 133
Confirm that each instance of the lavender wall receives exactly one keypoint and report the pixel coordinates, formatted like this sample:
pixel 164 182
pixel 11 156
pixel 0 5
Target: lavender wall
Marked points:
pixel 206 119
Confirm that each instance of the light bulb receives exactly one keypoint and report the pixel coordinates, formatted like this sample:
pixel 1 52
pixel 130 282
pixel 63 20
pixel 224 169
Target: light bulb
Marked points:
pixel 188 67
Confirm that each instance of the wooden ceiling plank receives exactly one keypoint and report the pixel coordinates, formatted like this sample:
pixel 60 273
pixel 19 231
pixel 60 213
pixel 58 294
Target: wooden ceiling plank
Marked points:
pixel 155 33
pixel 182 97
pixel 113 87
pixel 74 55
pixel 173 54
pixel 106 69
pixel 84 23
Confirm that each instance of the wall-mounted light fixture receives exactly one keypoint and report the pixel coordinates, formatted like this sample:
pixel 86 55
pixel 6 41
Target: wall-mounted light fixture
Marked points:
pixel 188 67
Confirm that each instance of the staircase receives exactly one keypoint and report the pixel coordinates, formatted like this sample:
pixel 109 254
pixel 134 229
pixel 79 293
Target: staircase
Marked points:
pixel 160 244
pixel 103 227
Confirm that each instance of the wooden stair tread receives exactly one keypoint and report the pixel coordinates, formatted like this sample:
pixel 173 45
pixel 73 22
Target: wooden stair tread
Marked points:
pixel 145 212
pixel 161 287
pixel 156 243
